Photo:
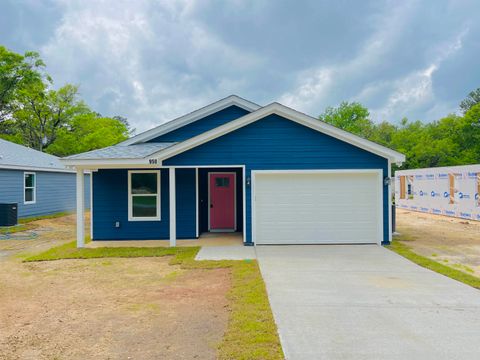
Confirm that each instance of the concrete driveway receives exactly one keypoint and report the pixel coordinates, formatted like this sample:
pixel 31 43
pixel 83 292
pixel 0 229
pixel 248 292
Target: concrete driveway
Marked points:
pixel 366 302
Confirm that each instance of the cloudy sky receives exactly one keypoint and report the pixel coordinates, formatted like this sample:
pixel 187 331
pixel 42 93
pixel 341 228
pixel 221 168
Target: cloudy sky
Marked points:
pixel 154 60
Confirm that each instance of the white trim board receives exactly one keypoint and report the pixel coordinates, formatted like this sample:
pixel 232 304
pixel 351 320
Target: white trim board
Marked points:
pixel 378 172
pixel 39 169
pixel 192 117
pixel 390 215
pixel 91 206
pixel 290 114
pixel 197 212
pixel 109 163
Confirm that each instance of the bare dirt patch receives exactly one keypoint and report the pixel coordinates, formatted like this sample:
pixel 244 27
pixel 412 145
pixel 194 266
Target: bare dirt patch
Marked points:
pixel 451 241
pixel 41 235
pixel 139 308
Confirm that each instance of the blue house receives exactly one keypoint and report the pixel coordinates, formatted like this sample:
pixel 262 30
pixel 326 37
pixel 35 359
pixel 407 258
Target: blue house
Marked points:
pixel 272 173
pixel 38 182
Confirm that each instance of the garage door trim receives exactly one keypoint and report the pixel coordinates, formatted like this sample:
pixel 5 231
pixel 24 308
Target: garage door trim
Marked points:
pixel 378 172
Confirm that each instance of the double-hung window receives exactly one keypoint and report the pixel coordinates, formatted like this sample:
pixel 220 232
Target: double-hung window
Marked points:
pixel 144 195
pixel 29 188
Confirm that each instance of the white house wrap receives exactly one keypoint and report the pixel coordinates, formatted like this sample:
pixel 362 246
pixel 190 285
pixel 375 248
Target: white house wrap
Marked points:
pixel 452 191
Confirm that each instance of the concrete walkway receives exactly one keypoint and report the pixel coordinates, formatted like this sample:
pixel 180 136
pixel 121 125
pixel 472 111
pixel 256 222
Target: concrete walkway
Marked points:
pixel 239 252
pixel 366 302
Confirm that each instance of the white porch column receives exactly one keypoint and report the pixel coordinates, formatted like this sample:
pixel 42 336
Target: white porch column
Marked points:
pixel 80 208
pixel 173 212
pixel 390 215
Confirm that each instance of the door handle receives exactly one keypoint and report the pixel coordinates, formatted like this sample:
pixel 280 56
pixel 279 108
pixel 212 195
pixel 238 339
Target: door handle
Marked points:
pixel 211 206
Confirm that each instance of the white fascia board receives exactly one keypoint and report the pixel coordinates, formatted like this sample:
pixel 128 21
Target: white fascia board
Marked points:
pixel 288 113
pixel 107 163
pixel 191 117
pixel 33 168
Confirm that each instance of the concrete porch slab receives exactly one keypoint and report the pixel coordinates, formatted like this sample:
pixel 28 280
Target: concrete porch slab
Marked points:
pixel 205 240
pixel 226 253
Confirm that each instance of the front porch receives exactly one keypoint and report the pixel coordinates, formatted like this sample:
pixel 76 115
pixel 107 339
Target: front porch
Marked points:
pixel 156 206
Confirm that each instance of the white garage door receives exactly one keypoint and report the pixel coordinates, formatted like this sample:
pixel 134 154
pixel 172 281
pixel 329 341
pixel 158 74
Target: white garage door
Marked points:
pixel 317 207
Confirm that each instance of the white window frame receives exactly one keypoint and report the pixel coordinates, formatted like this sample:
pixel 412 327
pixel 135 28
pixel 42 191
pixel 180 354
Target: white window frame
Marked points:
pixel 130 196
pixel 34 187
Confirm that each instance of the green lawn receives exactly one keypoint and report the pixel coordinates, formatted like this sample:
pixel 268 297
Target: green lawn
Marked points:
pixel 251 331
pixel 402 249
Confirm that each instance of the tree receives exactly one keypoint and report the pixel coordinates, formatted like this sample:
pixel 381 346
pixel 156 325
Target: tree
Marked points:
pixel 17 72
pixel 472 99
pixel 124 121
pixel 352 117
pixel 88 132
pixel 41 112
pixel 469 134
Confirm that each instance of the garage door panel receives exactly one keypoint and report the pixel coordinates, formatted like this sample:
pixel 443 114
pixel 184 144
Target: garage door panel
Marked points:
pixel 316 208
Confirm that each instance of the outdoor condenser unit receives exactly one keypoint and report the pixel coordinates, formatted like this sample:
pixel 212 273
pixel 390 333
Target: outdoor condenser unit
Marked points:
pixel 8 214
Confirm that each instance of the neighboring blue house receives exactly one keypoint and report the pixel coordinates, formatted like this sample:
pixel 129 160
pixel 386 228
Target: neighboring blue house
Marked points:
pixel 38 182
pixel 272 173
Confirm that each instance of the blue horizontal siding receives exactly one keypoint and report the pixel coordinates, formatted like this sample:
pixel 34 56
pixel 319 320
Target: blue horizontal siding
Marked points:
pixel 55 192
pixel 110 204
pixel 186 212
pixel 200 126
pixel 110 199
pixel 275 143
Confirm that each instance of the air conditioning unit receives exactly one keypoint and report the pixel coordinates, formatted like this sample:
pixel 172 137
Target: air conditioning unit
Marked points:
pixel 8 214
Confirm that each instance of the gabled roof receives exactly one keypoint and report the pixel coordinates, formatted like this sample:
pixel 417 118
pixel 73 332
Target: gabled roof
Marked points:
pixel 119 155
pixel 288 113
pixel 192 117
pixel 138 151
pixel 18 157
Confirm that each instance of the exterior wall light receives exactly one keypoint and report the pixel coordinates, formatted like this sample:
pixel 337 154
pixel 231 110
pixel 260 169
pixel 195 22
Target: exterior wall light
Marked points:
pixel 387 181
pixel 248 181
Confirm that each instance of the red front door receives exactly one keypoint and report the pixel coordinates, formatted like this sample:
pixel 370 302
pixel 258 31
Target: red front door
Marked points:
pixel 222 201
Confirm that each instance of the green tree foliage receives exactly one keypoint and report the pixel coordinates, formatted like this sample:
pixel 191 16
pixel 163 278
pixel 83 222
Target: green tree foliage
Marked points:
pixel 42 112
pixel 452 140
pixel 88 132
pixel 472 99
pixel 352 117
pixel 17 72
pixel 34 114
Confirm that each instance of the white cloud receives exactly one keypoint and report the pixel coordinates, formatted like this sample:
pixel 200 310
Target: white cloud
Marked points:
pixel 316 85
pixel 154 60
pixel 403 94
pixel 148 63
pixel 416 90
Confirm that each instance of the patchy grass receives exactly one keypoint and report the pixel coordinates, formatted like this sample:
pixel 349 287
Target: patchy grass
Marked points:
pixel 70 251
pixel 16 228
pixel 25 224
pixel 433 265
pixel 42 217
pixel 251 331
